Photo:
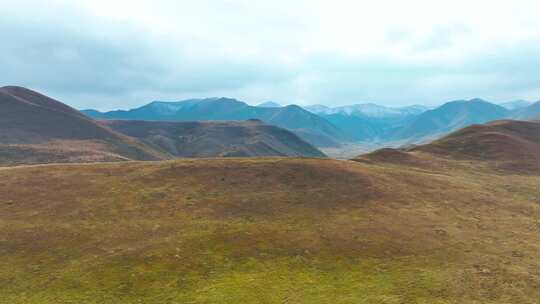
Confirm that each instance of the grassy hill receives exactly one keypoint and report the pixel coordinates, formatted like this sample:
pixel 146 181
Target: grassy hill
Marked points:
pixel 514 145
pixel 37 129
pixel 216 139
pixel 403 227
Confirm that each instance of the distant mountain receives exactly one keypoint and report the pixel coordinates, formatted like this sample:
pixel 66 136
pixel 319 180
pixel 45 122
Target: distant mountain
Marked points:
pixel 309 126
pixel 527 113
pixel 516 104
pixel 269 104
pixel 368 122
pixel 37 129
pixel 368 110
pixel 450 117
pixel 216 139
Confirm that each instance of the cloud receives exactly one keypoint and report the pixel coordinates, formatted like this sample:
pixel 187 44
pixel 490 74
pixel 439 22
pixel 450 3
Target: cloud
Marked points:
pixel 120 54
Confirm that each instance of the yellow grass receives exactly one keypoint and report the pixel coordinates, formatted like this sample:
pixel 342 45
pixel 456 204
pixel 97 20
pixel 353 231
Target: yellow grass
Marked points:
pixel 269 231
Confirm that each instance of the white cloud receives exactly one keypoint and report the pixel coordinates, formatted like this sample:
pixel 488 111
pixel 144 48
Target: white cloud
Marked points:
pixel 335 52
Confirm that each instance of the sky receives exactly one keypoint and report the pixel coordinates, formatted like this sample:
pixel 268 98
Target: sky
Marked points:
pixel 108 54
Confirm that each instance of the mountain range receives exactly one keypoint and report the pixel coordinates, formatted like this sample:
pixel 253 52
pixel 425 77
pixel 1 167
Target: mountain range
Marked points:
pixel 327 127
pixel 419 124
pixel 37 129
pixel 40 128
pixel 450 117
pixel 307 125
pixel 368 110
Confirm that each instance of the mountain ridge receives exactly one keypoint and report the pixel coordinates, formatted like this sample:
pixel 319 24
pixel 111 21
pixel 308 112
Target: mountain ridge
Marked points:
pixel 35 128
pixel 451 116
pixel 294 118
pixel 216 139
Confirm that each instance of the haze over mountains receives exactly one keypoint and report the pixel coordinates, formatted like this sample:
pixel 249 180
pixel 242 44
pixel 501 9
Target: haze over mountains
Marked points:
pixel 450 117
pixel 40 129
pixel 527 113
pixel 516 104
pixel 325 127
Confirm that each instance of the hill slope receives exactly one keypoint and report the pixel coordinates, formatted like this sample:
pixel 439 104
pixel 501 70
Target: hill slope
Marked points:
pixel 36 129
pixel 507 142
pixel 269 231
pixel 311 127
pixel 450 117
pixel 505 145
pixel 216 139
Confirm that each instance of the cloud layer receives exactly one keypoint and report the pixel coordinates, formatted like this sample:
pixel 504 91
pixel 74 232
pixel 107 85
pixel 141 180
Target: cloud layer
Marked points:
pixel 120 54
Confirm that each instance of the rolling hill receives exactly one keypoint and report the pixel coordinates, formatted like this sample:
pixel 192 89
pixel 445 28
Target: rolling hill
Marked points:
pixel 37 129
pixel 514 144
pixel 505 144
pixel 310 127
pixel 216 139
pixel 450 117
pixel 440 223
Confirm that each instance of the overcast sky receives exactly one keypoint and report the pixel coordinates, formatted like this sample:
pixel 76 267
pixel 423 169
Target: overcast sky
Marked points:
pixel 110 54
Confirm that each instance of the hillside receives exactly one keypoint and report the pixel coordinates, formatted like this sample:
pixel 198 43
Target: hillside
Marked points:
pixel 37 129
pixel 509 143
pixel 450 117
pixel 504 145
pixel 216 139
pixel 435 230
pixel 310 127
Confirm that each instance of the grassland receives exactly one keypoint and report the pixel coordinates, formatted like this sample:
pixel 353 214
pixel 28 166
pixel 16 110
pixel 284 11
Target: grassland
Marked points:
pixel 427 230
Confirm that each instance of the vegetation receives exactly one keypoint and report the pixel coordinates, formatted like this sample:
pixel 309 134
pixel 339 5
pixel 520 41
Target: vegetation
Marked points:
pixel 428 230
